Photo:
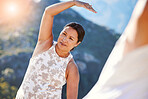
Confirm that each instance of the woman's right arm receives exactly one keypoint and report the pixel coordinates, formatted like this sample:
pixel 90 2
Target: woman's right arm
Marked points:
pixel 45 38
pixel 45 32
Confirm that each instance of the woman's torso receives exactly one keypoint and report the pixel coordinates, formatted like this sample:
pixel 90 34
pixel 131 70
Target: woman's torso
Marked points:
pixel 45 76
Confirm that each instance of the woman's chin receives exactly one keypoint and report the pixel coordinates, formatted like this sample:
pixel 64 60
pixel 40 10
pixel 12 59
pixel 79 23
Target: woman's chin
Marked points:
pixel 62 47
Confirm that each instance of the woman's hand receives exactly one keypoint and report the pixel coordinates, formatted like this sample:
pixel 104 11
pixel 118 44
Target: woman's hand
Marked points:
pixel 84 5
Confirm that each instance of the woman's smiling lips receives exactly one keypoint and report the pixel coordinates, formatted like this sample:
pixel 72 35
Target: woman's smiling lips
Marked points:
pixel 62 44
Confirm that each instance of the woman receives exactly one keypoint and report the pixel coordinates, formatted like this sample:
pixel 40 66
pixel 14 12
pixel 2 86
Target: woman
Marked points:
pixel 52 65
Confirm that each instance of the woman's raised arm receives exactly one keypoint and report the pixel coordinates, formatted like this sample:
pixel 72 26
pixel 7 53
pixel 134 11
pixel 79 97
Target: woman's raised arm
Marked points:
pixel 45 32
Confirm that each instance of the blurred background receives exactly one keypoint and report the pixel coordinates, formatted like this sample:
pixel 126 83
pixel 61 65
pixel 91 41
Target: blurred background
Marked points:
pixel 19 28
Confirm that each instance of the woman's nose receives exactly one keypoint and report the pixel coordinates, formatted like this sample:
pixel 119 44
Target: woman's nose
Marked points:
pixel 65 39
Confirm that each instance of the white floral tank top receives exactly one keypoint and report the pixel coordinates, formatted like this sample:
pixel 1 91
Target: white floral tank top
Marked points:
pixel 45 76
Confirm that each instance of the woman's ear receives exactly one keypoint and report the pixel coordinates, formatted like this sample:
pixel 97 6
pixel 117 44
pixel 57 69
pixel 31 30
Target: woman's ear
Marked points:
pixel 77 44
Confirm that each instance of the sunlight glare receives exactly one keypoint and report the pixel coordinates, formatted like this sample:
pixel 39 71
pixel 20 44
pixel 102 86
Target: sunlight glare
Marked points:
pixel 12 9
pixel 37 1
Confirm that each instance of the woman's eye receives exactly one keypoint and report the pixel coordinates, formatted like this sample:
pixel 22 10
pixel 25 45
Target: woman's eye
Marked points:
pixel 64 34
pixel 71 38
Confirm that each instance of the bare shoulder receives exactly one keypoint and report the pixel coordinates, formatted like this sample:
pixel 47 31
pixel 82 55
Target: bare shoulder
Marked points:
pixel 72 69
pixel 72 65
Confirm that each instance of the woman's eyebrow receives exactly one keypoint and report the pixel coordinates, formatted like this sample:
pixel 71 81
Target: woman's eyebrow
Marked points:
pixel 65 32
pixel 72 37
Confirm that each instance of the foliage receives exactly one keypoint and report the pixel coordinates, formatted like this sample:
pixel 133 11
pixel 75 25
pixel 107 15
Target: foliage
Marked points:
pixel 6 90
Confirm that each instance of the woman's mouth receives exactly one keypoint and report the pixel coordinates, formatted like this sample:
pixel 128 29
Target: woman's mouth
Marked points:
pixel 62 44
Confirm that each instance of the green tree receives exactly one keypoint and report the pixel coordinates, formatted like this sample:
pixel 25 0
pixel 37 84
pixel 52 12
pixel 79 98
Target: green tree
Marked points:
pixel 6 90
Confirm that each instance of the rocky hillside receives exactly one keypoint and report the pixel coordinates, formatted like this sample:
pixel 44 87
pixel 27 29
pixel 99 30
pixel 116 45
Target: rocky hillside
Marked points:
pixel 18 41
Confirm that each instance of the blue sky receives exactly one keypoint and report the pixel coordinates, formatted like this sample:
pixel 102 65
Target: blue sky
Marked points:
pixel 113 14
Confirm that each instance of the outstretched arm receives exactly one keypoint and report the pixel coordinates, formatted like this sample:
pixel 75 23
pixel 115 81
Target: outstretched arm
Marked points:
pixel 45 38
pixel 45 32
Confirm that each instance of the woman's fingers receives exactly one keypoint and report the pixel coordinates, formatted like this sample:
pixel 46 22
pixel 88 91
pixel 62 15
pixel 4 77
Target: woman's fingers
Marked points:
pixel 85 5
pixel 89 7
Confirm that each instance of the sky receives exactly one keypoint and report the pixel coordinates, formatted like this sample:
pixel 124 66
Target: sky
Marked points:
pixel 114 14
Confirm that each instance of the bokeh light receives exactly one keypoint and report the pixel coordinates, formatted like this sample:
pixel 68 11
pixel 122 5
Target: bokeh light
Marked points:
pixel 14 10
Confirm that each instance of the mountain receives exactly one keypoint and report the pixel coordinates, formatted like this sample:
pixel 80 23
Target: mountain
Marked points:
pixel 18 40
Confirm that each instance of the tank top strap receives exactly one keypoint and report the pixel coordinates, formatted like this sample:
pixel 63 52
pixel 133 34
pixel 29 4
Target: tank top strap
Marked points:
pixel 54 43
pixel 69 58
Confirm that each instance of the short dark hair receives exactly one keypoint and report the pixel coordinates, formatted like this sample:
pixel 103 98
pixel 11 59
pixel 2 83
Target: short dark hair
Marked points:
pixel 78 28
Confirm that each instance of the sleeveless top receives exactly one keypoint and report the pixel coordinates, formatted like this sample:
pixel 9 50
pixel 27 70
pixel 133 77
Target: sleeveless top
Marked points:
pixel 45 76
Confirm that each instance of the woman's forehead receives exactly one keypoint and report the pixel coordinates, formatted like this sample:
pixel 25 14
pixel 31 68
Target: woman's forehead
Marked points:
pixel 70 31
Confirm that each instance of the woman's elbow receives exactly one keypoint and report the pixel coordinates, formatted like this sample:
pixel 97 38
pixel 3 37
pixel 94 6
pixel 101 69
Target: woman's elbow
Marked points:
pixel 48 11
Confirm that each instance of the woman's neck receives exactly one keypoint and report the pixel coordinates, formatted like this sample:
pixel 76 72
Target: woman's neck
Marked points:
pixel 60 52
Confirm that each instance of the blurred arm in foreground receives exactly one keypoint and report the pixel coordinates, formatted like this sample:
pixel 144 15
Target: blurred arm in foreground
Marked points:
pixel 124 75
pixel 136 32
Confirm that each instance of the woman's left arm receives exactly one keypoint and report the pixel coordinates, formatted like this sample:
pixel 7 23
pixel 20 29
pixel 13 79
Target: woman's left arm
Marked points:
pixel 72 80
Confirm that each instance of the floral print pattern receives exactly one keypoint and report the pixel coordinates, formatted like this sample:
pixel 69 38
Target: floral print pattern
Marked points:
pixel 45 76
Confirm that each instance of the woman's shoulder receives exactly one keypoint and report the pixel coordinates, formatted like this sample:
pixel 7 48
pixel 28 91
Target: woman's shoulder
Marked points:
pixel 72 71
pixel 72 66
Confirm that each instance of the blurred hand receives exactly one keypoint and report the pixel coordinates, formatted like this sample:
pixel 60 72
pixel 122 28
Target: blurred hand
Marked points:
pixel 84 5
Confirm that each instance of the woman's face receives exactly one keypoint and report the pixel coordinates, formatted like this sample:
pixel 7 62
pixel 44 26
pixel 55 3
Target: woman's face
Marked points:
pixel 68 39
